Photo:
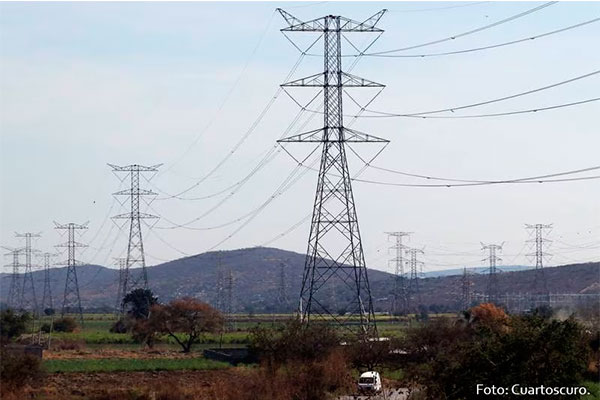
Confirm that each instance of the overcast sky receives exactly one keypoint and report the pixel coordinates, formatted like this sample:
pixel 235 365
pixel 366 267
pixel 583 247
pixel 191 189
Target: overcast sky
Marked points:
pixel 85 84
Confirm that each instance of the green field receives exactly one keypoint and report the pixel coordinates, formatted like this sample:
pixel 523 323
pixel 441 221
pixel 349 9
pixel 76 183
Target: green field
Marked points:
pixel 127 364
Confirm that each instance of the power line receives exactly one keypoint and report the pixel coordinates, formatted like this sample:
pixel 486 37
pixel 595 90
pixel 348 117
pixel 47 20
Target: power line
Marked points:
pixel 585 178
pixel 493 46
pixel 500 114
pixel 228 94
pixel 453 37
pixel 248 132
pixel 530 178
pixel 481 103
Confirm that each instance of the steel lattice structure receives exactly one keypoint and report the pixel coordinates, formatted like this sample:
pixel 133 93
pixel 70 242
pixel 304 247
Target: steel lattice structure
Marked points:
pixel 14 290
pixel 400 295
pixel 335 254
pixel 121 262
pixel 47 297
pixel 414 292
pixel 135 275
pixel 492 284
pixel 466 284
pixel 71 298
pixel 28 299
pixel 540 284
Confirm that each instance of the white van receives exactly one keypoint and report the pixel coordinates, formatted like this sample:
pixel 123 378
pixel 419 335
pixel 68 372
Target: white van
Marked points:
pixel 369 381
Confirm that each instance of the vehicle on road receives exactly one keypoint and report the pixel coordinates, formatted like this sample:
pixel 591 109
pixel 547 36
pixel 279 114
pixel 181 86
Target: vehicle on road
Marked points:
pixel 369 381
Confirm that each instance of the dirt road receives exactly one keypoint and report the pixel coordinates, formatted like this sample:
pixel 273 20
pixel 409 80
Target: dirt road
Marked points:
pixel 387 394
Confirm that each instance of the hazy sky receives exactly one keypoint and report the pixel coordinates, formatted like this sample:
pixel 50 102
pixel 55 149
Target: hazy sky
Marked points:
pixel 85 84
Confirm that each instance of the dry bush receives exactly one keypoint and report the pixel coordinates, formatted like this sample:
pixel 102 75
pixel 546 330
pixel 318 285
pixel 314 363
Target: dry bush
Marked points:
pixel 67 344
pixel 18 371
pixel 295 380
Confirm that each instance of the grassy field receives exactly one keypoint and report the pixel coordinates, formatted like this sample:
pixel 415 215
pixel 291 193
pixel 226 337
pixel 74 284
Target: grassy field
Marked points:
pixel 126 364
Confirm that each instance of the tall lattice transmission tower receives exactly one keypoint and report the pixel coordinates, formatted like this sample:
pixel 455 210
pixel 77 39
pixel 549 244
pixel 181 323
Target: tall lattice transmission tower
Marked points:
pixel 14 290
pixel 121 263
pixel 492 258
pixel 282 293
pixel 28 300
pixel 335 253
pixel 466 284
pixel 71 299
pixel 135 275
pixel 47 302
pixel 400 294
pixel 540 284
pixel 414 291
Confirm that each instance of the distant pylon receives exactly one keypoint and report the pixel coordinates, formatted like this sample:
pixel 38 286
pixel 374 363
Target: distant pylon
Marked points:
pixel 47 302
pixel 229 298
pixel 540 284
pixel 400 300
pixel 28 299
pixel 492 284
pixel 220 285
pixel 335 252
pixel 466 289
pixel 414 291
pixel 282 296
pixel 71 298
pixel 14 290
pixel 135 277
pixel 121 262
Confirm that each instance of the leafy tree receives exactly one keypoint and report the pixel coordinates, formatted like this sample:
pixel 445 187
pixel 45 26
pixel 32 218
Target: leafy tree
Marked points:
pixel 13 324
pixel 138 303
pixel 65 324
pixel 185 320
pixel 49 311
pixel 293 341
pixel 449 358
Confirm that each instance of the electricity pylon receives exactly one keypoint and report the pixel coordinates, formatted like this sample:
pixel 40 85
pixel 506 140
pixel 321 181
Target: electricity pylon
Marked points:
pixel 282 296
pixel 492 284
pixel 71 298
pixel 14 290
pixel 28 300
pixel 400 303
pixel 47 302
pixel 121 262
pixel 335 253
pixel 414 291
pixel 540 284
pixel 466 284
pixel 136 275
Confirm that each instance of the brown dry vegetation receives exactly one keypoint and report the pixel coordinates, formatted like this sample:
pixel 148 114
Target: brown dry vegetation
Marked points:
pixel 161 385
pixel 113 353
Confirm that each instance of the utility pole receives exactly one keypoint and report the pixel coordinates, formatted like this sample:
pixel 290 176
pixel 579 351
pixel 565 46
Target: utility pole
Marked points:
pixel 121 262
pixel 28 299
pixel 335 253
pixel 71 298
pixel 492 284
pixel 466 289
pixel 540 284
pixel 400 303
pixel 414 292
pixel 14 290
pixel 47 302
pixel 135 269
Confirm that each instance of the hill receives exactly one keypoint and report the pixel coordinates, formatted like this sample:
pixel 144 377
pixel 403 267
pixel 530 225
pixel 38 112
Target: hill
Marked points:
pixel 256 273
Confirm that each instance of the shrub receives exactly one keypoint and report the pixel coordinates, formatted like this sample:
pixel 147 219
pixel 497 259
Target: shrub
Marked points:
pixel 120 326
pixel 12 324
pixel 18 370
pixel 65 324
